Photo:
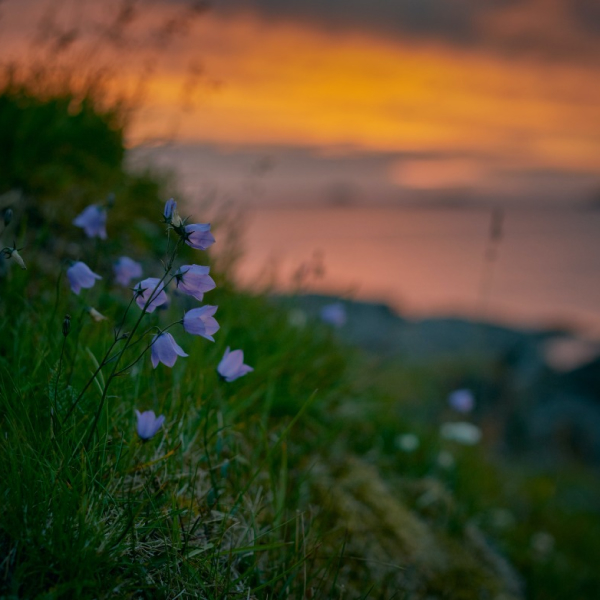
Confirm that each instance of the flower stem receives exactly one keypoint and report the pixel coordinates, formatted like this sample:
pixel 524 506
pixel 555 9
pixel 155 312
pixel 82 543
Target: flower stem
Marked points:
pixel 112 375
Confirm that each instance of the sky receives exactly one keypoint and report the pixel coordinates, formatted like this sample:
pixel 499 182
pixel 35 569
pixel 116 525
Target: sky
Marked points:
pixel 381 101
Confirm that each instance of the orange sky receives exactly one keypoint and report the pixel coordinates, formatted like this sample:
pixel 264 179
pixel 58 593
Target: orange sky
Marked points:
pixel 288 83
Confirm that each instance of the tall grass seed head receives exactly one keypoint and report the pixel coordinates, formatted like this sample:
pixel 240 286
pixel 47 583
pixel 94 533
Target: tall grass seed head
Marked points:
pixel 232 365
pixel 194 280
pixel 200 321
pixel 165 350
pixel 81 276
pixel 93 221
pixel 148 424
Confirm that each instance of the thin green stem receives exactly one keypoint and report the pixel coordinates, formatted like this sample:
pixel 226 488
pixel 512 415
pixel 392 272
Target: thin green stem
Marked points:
pixel 159 287
pixel 118 331
pixel 104 362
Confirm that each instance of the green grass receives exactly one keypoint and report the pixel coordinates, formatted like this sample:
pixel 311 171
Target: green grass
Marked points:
pixel 287 483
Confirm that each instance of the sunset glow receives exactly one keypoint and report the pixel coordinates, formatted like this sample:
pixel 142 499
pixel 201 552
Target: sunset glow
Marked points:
pixel 289 84
pixel 444 112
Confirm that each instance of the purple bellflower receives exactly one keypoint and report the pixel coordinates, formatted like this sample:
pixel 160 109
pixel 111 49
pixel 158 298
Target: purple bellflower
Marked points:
pixel 334 314
pixel 148 424
pixel 194 280
pixel 150 288
pixel 126 269
pixel 462 400
pixel 81 276
pixel 93 221
pixel 165 350
pixel 200 321
pixel 198 236
pixel 232 365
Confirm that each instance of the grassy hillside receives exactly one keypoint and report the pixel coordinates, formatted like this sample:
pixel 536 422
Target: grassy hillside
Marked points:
pixel 293 481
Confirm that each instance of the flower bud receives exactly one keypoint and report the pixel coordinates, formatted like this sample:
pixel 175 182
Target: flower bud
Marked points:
pixel 8 215
pixel 66 325
pixel 18 259
pixel 14 254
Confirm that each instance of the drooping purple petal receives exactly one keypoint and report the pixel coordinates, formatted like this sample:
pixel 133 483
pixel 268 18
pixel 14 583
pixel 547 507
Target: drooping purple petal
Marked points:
pixel 232 365
pixel 198 236
pixel 93 221
pixel 126 269
pixel 152 287
pixel 334 314
pixel 81 276
pixel 194 280
pixel 148 424
pixel 165 350
pixel 462 400
pixel 200 321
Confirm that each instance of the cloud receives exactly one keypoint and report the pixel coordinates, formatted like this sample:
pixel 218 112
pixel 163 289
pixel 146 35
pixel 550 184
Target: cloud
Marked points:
pixel 545 29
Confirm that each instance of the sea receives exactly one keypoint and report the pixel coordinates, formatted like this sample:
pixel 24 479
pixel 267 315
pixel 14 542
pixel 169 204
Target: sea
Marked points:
pixel 526 265
pixel 531 267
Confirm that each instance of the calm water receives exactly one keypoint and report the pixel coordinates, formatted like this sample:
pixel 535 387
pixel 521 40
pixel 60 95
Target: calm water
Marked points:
pixel 422 261
pixel 431 261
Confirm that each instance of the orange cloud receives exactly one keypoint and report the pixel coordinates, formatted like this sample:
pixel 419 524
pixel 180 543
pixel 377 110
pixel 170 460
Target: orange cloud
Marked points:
pixel 286 84
pixel 431 174
pixel 289 83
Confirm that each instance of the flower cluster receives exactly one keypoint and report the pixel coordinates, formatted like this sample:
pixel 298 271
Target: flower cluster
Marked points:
pixel 151 293
pixel 192 280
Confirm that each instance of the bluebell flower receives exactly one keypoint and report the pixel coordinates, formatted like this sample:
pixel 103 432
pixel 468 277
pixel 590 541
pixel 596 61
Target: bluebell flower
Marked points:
pixel 232 365
pixel 194 280
pixel 150 288
pixel 93 221
pixel 148 424
pixel 126 269
pixel 198 236
pixel 200 321
pixel 334 314
pixel 165 350
pixel 81 276
pixel 462 400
